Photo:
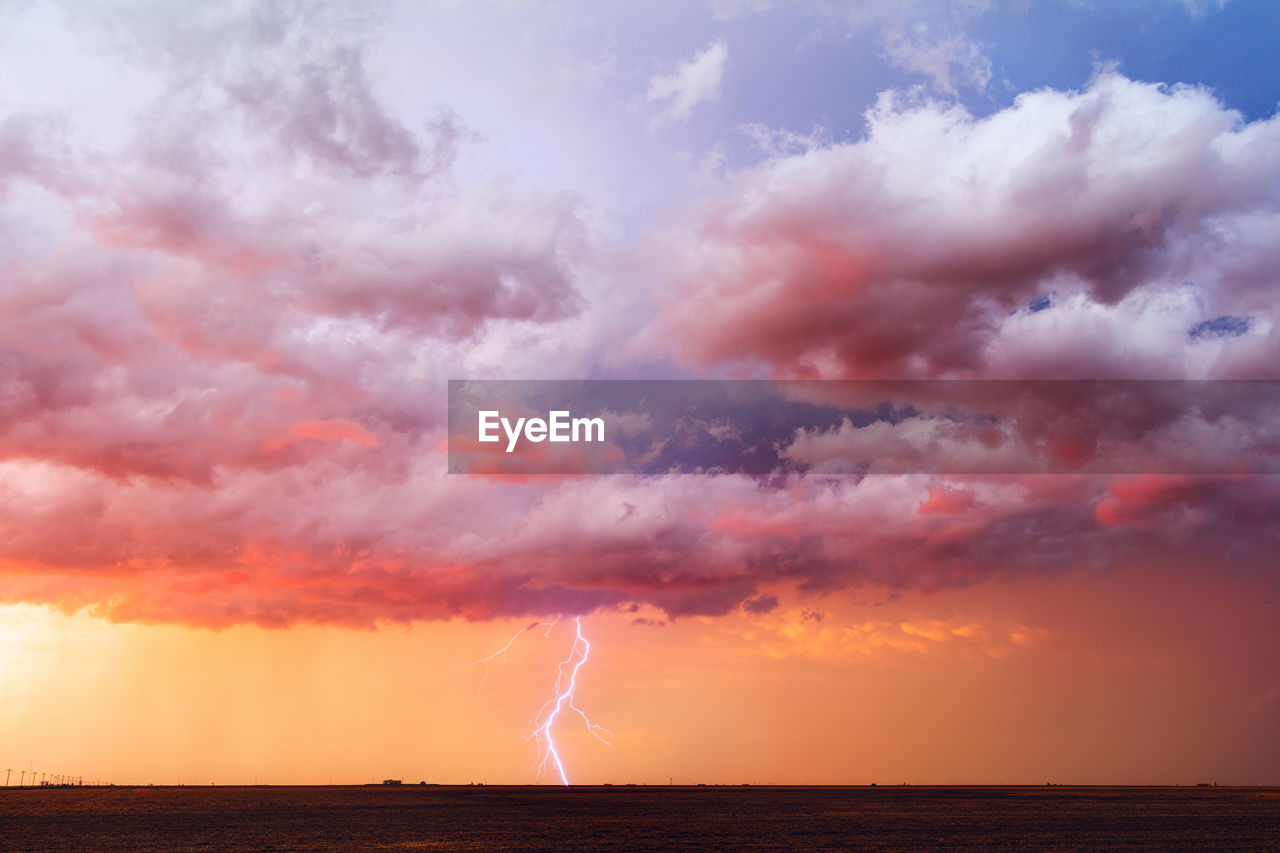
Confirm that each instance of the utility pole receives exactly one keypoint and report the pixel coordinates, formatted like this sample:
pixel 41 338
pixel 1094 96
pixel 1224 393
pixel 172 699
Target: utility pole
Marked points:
pixel 7 771
pixel 21 777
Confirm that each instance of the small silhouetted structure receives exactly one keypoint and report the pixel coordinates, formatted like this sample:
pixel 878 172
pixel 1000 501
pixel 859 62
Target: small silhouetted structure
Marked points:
pixel 391 781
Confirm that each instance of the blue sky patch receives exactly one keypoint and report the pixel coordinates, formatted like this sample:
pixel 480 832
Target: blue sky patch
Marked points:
pixel 1225 326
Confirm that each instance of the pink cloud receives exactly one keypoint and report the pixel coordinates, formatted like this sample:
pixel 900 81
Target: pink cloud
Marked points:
pixel 335 539
pixel 223 346
pixel 948 501
pixel 334 430
pixel 915 251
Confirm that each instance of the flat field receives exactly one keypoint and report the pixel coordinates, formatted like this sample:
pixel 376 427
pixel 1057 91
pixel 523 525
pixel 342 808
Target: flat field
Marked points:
pixel 628 817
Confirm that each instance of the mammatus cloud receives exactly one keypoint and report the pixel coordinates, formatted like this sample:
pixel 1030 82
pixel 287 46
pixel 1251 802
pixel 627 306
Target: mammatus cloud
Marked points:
pixel 694 81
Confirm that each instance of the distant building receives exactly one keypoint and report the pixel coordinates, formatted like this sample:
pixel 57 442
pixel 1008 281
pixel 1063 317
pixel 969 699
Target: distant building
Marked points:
pixel 391 781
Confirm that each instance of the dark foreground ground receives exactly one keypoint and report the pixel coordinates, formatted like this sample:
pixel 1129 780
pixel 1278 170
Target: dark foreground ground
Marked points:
pixel 638 818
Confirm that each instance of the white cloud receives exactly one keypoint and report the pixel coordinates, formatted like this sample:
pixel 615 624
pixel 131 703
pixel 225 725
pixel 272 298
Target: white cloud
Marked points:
pixel 947 61
pixel 777 142
pixel 916 250
pixel 693 82
pixel 926 37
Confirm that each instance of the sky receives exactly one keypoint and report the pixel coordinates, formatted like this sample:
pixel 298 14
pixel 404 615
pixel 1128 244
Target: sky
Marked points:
pixel 244 246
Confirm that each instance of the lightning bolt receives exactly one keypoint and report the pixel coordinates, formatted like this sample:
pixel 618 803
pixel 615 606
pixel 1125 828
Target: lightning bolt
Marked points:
pixel 546 717
pixel 502 652
pixel 563 697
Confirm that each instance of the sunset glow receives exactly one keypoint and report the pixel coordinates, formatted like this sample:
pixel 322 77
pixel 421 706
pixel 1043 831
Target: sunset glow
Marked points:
pixel 244 247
